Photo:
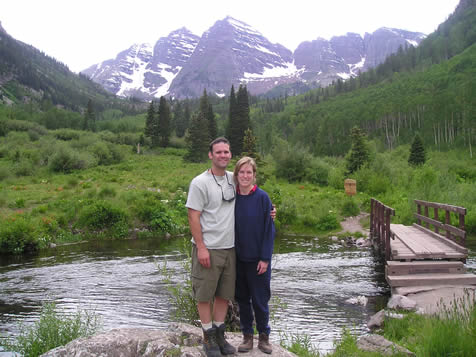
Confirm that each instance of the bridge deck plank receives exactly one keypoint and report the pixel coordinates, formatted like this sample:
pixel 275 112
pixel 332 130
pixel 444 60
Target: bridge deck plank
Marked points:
pixel 411 243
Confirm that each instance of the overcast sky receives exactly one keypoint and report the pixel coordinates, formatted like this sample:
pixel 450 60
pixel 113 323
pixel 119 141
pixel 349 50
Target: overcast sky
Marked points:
pixel 86 32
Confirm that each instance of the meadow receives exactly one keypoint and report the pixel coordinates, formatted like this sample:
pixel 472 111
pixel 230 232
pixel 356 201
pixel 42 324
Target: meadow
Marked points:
pixel 66 185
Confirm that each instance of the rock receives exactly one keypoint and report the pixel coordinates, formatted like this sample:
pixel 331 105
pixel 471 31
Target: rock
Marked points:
pixel 401 302
pixel 178 340
pixel 360 300
pixel 377 343
pixel 362 242
pixel 377 320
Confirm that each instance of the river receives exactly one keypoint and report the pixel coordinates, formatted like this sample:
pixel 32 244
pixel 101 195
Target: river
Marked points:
pixel 120 280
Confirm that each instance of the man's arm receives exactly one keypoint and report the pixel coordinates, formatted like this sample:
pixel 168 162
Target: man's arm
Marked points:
pixel 196 229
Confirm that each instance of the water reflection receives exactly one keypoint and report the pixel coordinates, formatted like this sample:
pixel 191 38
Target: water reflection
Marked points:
pixel 121 281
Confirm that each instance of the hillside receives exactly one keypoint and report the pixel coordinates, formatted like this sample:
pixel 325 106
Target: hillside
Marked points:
pixel 429 90
pixel 27 74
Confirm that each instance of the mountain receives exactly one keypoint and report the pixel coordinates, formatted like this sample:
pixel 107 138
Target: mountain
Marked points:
pixel 145 72
pixel 231 52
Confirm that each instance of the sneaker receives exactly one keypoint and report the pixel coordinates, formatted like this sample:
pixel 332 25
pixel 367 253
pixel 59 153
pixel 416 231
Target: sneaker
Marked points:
pixel 225 347
pixel 263 343
pixel 247 344
pixel 210 345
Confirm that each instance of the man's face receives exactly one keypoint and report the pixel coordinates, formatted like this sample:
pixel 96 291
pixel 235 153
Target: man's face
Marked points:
pixel 220 156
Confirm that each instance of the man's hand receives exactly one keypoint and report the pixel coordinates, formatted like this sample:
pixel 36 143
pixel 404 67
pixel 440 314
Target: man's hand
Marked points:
pixel 273 212
pixel 262 267
pixel 203 257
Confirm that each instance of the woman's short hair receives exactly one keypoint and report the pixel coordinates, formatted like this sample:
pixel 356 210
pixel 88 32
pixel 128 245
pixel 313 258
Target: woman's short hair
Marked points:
pixel 245 160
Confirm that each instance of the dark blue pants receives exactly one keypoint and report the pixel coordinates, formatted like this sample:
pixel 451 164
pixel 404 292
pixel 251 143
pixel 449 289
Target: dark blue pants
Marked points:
pixel 252 293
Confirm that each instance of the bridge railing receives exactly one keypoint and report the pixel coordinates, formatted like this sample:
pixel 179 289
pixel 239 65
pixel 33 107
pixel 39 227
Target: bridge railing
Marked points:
pixel 380 225
pixel 424 221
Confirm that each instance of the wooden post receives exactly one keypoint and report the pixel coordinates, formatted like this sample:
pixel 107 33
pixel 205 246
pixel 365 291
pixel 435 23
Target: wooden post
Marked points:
pixel 427 215
pixel 448 221
pixel 387 234
pixel 436 218
pixel 419 212
pixel 461 226
pixel 372 214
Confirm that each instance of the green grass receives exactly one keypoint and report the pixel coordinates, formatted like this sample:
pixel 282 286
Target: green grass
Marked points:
pixel 54 328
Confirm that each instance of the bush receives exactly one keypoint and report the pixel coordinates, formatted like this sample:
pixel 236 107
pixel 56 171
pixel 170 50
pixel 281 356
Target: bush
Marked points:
pixel 156 217
pixel 107 153
pixel 24 168
pixel 287 212
pixel 328 222
pixel 66 134
pixel 317 172
pixel 52 330
pixel 291 163
pixel 17 235
pixel 350 207
pixel 103 215
pixel 66 160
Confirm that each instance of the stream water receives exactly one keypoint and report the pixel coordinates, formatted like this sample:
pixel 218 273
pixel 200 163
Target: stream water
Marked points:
pixel 120 280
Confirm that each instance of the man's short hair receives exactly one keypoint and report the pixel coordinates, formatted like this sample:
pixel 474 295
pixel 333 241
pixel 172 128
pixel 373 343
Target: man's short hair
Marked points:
pixel 221 139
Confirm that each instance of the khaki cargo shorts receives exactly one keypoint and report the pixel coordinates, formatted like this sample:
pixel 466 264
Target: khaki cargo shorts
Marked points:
pixel 219 279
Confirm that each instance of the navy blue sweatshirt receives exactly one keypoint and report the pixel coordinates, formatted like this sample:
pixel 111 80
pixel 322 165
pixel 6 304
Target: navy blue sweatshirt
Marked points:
pixel 254 227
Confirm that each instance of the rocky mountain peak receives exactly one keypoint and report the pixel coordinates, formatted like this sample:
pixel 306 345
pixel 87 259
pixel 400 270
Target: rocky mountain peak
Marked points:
pixel 231 53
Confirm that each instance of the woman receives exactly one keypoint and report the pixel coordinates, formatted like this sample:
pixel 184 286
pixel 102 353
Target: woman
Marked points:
pixel 254 240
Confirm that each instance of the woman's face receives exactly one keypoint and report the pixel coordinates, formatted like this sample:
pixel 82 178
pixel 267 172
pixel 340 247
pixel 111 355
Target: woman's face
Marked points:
pixel 246 176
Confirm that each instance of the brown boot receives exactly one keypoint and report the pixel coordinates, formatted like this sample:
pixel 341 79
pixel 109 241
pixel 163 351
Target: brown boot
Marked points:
pixel 263 343
pixel 247 344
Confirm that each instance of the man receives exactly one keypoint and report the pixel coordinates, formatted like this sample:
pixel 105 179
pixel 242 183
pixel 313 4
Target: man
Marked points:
pixel 211 209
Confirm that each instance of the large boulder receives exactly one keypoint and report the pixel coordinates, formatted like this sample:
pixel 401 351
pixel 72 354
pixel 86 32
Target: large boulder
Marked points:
pixel 178 340
pixel 378 344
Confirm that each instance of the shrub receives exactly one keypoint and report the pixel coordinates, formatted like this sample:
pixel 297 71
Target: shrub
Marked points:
pixel 286 212
pixel 52 330
pixel 328 222
pixel 156 217
pixel 66 134
pixel 350 207
pixel 107 153
pixel 336 178
pixel 24 168
pixel 103 215
pixel 291 163
pixel 17 235
pixel 317 172
pixel 4 173
pixel 66 160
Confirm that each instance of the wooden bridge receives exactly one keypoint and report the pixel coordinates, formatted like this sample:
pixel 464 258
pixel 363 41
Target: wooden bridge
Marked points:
pixel 429 252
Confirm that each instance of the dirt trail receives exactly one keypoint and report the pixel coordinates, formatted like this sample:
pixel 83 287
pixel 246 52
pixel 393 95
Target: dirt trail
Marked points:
pixel 352 224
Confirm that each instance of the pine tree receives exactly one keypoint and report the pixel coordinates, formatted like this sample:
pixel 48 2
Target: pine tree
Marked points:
pixel 212 124
pixel 164 123
pixel 89 121
pixel 239 119
pixel 417 155
pixel 150 121
pixel 359 153
pixel 249 145
pixel 197 139
pixel 179 120
pixel 152 125
pixel 231 116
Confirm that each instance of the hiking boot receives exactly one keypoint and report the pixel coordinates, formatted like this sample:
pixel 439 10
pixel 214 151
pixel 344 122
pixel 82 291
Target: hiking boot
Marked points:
pixel 263 343
pixel 210 345
pixel 225 347
pixel 247 344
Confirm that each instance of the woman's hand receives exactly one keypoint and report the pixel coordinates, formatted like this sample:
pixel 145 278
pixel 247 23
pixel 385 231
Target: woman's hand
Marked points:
pixel 262 267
